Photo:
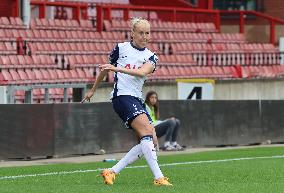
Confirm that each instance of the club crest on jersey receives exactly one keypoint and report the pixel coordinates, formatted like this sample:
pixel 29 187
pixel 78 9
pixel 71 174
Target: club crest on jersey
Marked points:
pixel 154 59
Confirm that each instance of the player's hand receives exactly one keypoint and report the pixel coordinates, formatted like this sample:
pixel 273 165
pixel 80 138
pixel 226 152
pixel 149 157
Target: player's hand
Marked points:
pixel 108 67
pixel 88 96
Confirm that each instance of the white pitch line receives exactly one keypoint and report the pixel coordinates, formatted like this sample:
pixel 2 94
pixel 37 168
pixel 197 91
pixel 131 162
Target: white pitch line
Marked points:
pixel 143 166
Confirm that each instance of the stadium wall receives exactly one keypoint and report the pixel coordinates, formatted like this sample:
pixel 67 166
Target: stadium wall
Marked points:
pixel 248 89
pixel 26 131
pixel 29 131
pixel 274 8
pixel 6 8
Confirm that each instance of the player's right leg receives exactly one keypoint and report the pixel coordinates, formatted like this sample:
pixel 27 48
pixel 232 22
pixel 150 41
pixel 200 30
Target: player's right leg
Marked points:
pixel 144 130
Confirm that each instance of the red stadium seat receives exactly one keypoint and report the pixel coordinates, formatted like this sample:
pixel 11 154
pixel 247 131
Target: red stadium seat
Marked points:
pixel 24 77
pixel 5 23
pixel 38 74
pixel 86 24
pixel 7 77
pixel 14 61
pixel 6 61
pixel 16 22
pixel 67 76
pixel 30 74
pixel 16 77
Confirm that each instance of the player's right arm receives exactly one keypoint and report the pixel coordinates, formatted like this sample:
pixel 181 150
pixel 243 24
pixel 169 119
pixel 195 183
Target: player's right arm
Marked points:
pixel 99 79
pixel 113 57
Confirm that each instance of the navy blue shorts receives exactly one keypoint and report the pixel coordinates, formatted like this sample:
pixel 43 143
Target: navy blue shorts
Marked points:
pixel 128 108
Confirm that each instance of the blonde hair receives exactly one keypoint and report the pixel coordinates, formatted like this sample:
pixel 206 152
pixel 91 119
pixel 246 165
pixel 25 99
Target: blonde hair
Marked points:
pixel 134 21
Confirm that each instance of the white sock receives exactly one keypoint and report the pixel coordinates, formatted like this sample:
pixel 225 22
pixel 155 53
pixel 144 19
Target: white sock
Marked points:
pixel 134 154
pixel 150 155
pixel 167 143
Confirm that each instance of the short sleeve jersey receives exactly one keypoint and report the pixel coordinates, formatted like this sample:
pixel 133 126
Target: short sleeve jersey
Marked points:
pixel 126 55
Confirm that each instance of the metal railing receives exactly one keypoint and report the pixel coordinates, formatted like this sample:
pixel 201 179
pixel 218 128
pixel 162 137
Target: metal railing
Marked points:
pixel 242 18
pixel 194 15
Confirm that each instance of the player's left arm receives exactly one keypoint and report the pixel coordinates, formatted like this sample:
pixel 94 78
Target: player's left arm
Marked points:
pixel 147 68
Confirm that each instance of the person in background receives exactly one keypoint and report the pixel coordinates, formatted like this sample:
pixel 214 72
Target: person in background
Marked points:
pixel 168 127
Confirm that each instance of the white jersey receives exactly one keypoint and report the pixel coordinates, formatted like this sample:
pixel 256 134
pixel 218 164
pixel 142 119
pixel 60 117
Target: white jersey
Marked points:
pixel 126 55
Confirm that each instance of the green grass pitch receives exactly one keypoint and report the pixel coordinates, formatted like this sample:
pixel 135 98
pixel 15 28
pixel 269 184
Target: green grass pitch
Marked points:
pixel 198 173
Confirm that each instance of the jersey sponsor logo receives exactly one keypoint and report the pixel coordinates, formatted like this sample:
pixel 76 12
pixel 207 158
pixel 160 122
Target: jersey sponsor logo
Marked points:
pixel 130 66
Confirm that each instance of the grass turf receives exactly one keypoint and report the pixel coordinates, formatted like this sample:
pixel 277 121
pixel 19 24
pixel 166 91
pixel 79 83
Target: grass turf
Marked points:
pixel 245 176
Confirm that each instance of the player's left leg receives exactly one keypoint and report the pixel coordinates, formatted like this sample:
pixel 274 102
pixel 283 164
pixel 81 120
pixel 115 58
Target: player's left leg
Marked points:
pixel 134 154
pixel 109 174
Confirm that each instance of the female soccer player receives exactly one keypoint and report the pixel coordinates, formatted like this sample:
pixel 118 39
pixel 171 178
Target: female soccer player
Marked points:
pixel 131 62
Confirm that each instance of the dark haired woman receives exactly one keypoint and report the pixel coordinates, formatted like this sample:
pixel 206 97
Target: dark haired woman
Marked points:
pixel 168 127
